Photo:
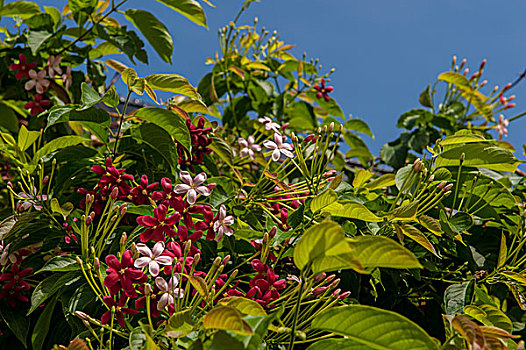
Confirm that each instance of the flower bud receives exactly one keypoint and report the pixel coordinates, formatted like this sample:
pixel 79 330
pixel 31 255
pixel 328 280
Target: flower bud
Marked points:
pixel 447 194
pixel 197 257
pixel 310 138
pixel 482 64
pixel 442 184
pixel 114 193
pixel 466 71
pixel 147 289
pixel 329 173
pixel 483 83
pixel 226 259
pixel 335 283
pixel 447 188
pixel 320 277
pixel 319 290
pixel 124 238
pixel 81 315
pixel 331 126
pixel 89 199
pixel 330 278
pixel 506 88
pixel 123 209
pixel 344 295
pixel 273 231
pixel 431 178
pixel 336 293
pixel 284 126
pixel 45 180
pixel 89 220
pixel 79 260
pixel 454 61
pixel 10 185
pixel 96 263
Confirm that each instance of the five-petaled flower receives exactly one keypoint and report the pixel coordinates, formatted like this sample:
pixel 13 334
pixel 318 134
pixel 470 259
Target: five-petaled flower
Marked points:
pixel 265 286
pixel 122 275
pixel 279 147
pixel 119 308
pixel 53 67
pixel 23 67
pixel 141 194
pixel 112 176
pixel 323 91
pixel 15 277
pixel 168 196
pixel 35 106
pixel 193 186
pixel 38 81
pixel 502 126
pixel 152 258
pixel 222 222
pixel 248 147
pixel 269 124
pixel 158 225
pixel 168 290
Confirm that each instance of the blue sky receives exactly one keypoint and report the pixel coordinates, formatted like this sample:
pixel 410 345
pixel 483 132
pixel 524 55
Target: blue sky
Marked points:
pixel 385 52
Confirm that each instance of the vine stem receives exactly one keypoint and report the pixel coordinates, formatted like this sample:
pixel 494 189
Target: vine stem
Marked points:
pixel 120 123
pixel 296 312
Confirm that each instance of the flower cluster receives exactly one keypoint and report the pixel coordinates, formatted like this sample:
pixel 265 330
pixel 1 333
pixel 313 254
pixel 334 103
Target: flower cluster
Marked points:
pixel 265 286
pixel 200 140
pixel 15 285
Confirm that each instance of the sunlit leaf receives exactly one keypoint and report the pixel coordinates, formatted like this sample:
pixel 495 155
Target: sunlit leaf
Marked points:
pixel 416 235
pixel 191 9
pixel 470 331
pixel 228 319
pixel 171 122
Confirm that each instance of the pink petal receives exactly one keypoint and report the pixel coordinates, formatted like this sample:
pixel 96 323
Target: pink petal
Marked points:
pixel 181 188
pixel 154 268
pixel 186 178
pixel 142 262
pixel 158 249
pixel 161 284
pixel 199 179
pixel 287 153
pixel 144 250
pixel 269 144
pixel 205 191
pixel 192 196
pixel 164 260
pixel 276 154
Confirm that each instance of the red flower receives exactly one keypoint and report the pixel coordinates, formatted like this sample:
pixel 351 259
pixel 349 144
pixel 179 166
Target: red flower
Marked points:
pixel 200 143
pixel 13 294
pixel 174 250
pixel 141 194
pixel 122 275
pixel 323 91
pixel 158 225
pixel 140 303
pixel 23 67
pixel 120 310
pixel 15 277
pixel 265 285
pixel 168 196
pixel 36 105
pixel 113 177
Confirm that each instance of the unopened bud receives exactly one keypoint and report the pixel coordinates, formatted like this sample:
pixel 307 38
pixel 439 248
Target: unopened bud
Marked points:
pixel 81 315
pixel 197 257
pixel 462 157
pixel 447 188
pixel 123 209
pixel 454 60
pixel 330 278
pixel 10 185
pixel 226 259
pixel 507 87
pixel 147 289
pixel 329 173
pixel 331 126
pixel 217 261
pixel 463 63
pixel 45 180
pixel 293 137
pixel 96 263
pixel 284 126
pixel 114 193
pixel 89 220
pixel 89 199
pixel 431 178
pixel 320 277
pixel 335 283
pixel 345 295
pixel 113 218
pixel 79 260
pixel 482 64
pixel 273 231
pixel 483 83
pixel 310 138
pixel 319 290
pixel 336 293
pixel 124 238
pixel 447 194
pixel 466 71
pixel 187 246
pixel 442 184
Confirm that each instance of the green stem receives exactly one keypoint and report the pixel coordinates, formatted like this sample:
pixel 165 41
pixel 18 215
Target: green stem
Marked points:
pixel 120 122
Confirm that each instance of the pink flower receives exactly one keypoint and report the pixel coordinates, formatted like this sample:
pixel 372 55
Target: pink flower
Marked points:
pixel 67 78
pixel 36 105
pixel 222 222
pixel 269 124
pixel 23 67
pixel 323 91
pixel 37 80
pixel 168 290
pixel 193 186
pixel 279 147
pixel 501 127
pixel 248 147
pixel 53 67
pixel 152 258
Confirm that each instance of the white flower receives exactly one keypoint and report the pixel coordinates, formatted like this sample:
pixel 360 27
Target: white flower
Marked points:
pixel 222 222
pixel 168 290
pixel 502 127
pixel 152 258
pixel 37 79
pixel 279 147
pixel 269 124
pixel 53 67
pixel 67 78
pixel 248 147
pixel 193 186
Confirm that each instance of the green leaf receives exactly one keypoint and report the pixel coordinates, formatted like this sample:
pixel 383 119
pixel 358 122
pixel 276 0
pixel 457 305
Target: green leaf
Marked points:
pixel 490 316
pixel 90 97
pixel 244 306
pixel 62 114
pixel 461 222
pixel 361 177
pixel 172 83
pixel 425 98
pixel 61 263
pixel 351 210
pixel 36 38
pixel 200 285
pixel 394 153
pixel 179 324
pixel 222 149
pixel 431 224
pixel 228 319
pixel 416 235
pixel 379 251
pixel 415 117
pixel 22 9
pixel 385 180
pixel 158 139
pixel 374 328
pixel 405 212
pixel 171 122
pixel 15 320
pixel 480 156
pixel 340 344
pixel 38 336
pixel 359 126
pixel 9 119
pixel 154 31
pixel 325 248
pixel 57 144
pixel 323 200
pixel 49 286
pixel 456 296
pixel 26 138
pixel 137 339
pixel 503 251
pixel 470 331
pixel 191 9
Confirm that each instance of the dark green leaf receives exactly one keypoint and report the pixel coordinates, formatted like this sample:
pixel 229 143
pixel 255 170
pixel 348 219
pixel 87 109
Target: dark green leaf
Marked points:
pixel 425 98
pixel 456 297
pixel 171 122
pixel 15 320
pixel 61 263
pixel 38 336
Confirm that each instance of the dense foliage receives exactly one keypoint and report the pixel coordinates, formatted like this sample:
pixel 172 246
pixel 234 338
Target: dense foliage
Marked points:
pixel 246 212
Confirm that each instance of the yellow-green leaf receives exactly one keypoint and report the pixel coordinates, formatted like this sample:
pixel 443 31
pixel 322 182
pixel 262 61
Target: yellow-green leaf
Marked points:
pixel 323 200
pixel 385 180
pixel 172 83
pixel 188 8
pixel 226 318
pixel 361 177
pixel 244 306
pixel 470 331
pixel 351 210
pixel 416 235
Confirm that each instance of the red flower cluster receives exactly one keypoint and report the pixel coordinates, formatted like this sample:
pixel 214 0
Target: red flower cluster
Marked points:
pixel 200 143
pixel 323 91
pixel 15 285
pixel 122 275
pixel 282 212
pixel 23 67
pixel 265 286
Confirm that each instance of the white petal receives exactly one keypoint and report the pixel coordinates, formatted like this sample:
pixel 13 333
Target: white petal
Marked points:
pixel 144 250
pixel 242 142
pixel 229 220
pixel 186 178
pixel 154 268
pixel 276 154
pixel 30 84
pixel 142 262
pixel 181 188
pixel 158 249
pixel 278 139
pixel 33 74
pixel 269 144
pixel 191 196
pixel 287 153
pixel 178 292
pixel 161 284
pixel 222 212
pixel 287 146
pixel 199 179
pixel 205 191
pixel 164 260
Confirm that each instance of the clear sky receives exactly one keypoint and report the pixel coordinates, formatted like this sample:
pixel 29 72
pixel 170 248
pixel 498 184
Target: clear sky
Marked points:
pixel 385 52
